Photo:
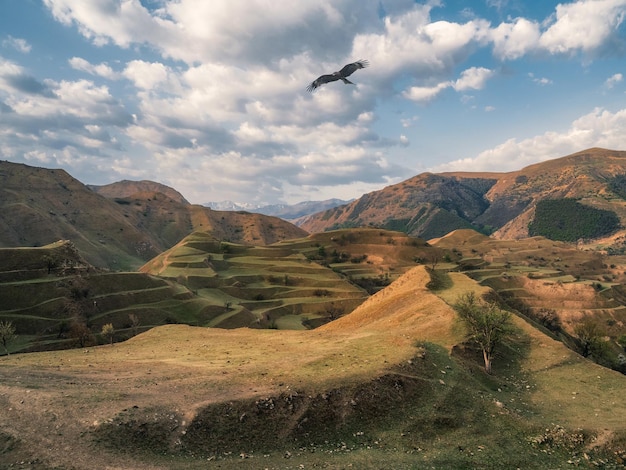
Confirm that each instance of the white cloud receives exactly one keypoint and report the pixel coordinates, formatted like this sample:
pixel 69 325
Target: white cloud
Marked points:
pixel 599 128
pixel 18 44
pixel 583 25
pixel 423 94
pixel 102 70
pixel 473 78
pixel 540 80
pixel 613 80
pixel 514 40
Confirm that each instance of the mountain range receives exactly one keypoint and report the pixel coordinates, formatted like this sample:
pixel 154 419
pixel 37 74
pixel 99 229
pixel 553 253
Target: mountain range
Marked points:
pixel 122 229
pixel 284 211
pixel 124 224
pixel 500 204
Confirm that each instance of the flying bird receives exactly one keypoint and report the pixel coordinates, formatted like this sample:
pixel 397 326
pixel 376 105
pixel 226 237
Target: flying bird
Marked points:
pixel 341 75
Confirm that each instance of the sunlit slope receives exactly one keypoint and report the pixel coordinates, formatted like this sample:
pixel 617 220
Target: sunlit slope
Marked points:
pixel 188 383
pixel 272 286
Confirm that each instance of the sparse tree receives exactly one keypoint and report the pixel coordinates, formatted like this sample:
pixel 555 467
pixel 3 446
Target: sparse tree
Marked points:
pixel 7 334
pixel 108 332
pixel 590 335
pixel 433 259
pixel 81 333
pixel 488 325
pixel 333 311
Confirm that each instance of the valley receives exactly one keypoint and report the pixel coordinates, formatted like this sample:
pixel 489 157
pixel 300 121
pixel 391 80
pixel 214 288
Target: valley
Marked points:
pixel 239 340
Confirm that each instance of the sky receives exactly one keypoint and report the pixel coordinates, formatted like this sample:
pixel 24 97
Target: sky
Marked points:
pixel 209 97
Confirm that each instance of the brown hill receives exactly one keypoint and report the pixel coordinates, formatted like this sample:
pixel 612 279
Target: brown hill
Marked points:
pixel 127 188
pixel 40 206
pixel 432 205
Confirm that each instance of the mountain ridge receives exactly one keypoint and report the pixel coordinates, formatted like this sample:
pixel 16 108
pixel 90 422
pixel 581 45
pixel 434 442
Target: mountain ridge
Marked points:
pixel 40 206
pixel 430 205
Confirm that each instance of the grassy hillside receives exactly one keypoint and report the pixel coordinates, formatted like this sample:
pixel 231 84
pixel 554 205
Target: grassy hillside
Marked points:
pixel 56 300
pixel 294 284
pixel 392 385
pixel 553 284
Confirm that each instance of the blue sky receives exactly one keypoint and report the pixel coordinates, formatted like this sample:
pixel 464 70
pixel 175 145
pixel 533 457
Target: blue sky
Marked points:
pixel 209 97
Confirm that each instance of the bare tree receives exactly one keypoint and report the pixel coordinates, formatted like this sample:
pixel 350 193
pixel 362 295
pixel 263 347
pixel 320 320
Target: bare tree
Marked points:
pixel 488 325
pixel 333 311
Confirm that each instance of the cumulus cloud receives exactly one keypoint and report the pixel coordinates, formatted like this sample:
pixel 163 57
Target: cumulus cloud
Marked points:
pixel 583 25
pixel 613 80
pixel 514 40
pixel 217 88
pixel 473 78
pixel 58 122
pixel 599 128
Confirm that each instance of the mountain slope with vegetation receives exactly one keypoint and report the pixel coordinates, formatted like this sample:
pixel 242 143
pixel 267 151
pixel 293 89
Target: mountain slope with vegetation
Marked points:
pixel 294 284
pixel 432 205
pixel 55 299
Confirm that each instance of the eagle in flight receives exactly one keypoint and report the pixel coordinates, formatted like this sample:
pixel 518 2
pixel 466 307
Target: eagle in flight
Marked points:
pixel 341 75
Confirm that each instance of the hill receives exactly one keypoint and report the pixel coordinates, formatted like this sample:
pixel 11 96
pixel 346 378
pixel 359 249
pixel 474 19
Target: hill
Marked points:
pixel 128 188
pixel 432 205
pixel 57 300
pixel 295 284
pixel 392 385
pixel 554 285
pixel 40 206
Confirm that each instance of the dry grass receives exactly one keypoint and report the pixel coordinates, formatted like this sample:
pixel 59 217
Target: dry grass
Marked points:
pixel 183 369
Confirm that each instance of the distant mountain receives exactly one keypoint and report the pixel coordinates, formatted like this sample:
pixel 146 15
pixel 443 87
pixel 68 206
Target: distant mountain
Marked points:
pixel 40 206
pixel 127 188
pixel 503 204
pixel 284 211
pixel 231 206
pixel 295 211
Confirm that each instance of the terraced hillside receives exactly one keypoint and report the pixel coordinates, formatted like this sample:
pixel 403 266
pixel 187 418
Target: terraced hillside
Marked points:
pixel 393 384
pixel 554 284
pixel 293 284
pixel 55 299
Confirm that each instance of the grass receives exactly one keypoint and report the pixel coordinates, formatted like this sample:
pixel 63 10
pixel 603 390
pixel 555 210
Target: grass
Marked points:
pixel 391 385
pixel 280 280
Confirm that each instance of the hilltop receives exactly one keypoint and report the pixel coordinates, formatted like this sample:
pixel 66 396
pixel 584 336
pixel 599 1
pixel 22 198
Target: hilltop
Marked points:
pixel 503 204
pixel 128 188
pixel 390 385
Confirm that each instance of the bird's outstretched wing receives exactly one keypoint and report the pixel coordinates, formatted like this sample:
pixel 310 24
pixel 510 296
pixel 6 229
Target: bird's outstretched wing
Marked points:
pixel 318 82
pixel 353 67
